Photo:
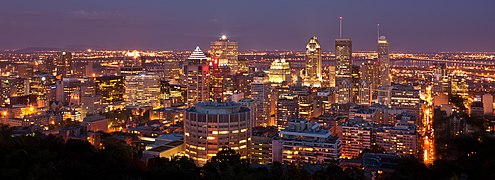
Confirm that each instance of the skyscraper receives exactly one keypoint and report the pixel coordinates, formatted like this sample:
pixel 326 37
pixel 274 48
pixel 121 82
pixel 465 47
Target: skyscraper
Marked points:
pixel 280 72
pixel 313 76
pixel 64 64
pixel 343 70
pixel 197 75
pixel 226 52
pixel 142 89
pixel 261 94
pixel 287 109
pixel 384 61
pixel 211 126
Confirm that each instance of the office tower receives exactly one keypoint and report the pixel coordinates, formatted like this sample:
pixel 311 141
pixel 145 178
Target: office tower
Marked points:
pixel 355 136
pixel 305 142
pixel 89 100
pixel 441 79
pixel 132 59
pixel 355 80
pixel 400 96
pixel 313 76
pixel 64 64
pixel 365 93
pixel 384 61
pixel 211 126
pixel 487 104
pixel 306 99
pixel 250 104
pixel 280 72
pixel 221 85
pixel 328 77
pixel 370 74
pixel 242 83
pixel 459 86
pixel 399 140
pixel 343 70
pixel 111 89
pixel 197 75
pixel 226 52
pixel 261 94
pixel 287 108
pixel 49 65
pixel 25 71
pixel 142 89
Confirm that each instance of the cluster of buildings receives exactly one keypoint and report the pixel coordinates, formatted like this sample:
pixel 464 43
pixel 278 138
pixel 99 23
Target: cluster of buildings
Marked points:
pixel 297 111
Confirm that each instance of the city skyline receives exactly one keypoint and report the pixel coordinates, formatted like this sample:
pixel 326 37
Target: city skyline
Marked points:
pixel 412 26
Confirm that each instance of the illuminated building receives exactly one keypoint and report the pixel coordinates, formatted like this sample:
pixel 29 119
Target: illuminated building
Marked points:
pixel 401 97
pixel 172 95
pixel 355 136
pixel 132 59
pixel 328 77
pixel 250 104
pixel 242 82
pixel 280 72
pixel 384 61
pixel 287 109
pixel 487 104
pixel 64 64
pixel 343 70
pixel 167 115
pixel 142 89
pixel 95 123
pixel 441 80
pixel 261 149
pixel 226 52
pixel 49 66
pixel 399 140
pixel 305 142
pixel 459 85
pixel 261 94
pixel 89 100
pixel 355 81
pixel 306 99
pixel 211 126
pixel 313 76
pixel 370 74
pixel 221 85
pixel 198 75
pixel 365 93
pixel 111 89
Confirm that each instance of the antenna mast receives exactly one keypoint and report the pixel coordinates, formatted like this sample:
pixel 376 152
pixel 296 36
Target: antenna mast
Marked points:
pixel 340 26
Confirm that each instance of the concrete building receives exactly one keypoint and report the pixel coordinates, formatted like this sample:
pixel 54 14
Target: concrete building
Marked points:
pixel 398 140
pixel 355 136
pixel 305 142
pixel 95 123
pixel 261 94
pixel 210 126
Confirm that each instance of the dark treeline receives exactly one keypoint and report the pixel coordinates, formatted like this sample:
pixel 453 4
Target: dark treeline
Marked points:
pixel 49 157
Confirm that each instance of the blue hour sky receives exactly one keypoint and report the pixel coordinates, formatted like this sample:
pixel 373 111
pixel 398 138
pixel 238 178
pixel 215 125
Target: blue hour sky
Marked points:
pixel 410 25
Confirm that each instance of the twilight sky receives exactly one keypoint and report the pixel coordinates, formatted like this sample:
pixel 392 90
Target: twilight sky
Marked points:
pixel 410 25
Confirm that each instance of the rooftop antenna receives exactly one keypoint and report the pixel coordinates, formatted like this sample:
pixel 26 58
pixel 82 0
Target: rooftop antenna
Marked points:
pixel 378 32
pixel 340 26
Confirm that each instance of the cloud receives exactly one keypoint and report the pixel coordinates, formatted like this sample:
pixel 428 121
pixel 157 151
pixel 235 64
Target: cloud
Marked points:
pixel 83 14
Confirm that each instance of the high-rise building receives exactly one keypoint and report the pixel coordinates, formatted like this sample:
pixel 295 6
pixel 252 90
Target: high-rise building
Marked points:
pixel 221 84
pixel 441 80
pixel 305 142
pixel 64 64
pixel 261 149
pixel 280 72
pixel 400 96
pixel 313 76
pixel 211 126
pixel 226 52
pixel 111 89
pixel 343 70
pixel 197 75
pixel 459 86
pixel 261 94
pixel 142 89
pixel 384 61
pixel 355 136
pixel 306 100
pixel 287 109
pixel 370 74
pixel 399 140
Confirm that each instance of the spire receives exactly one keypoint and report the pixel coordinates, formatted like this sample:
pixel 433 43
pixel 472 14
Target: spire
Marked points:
pixel 341 26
